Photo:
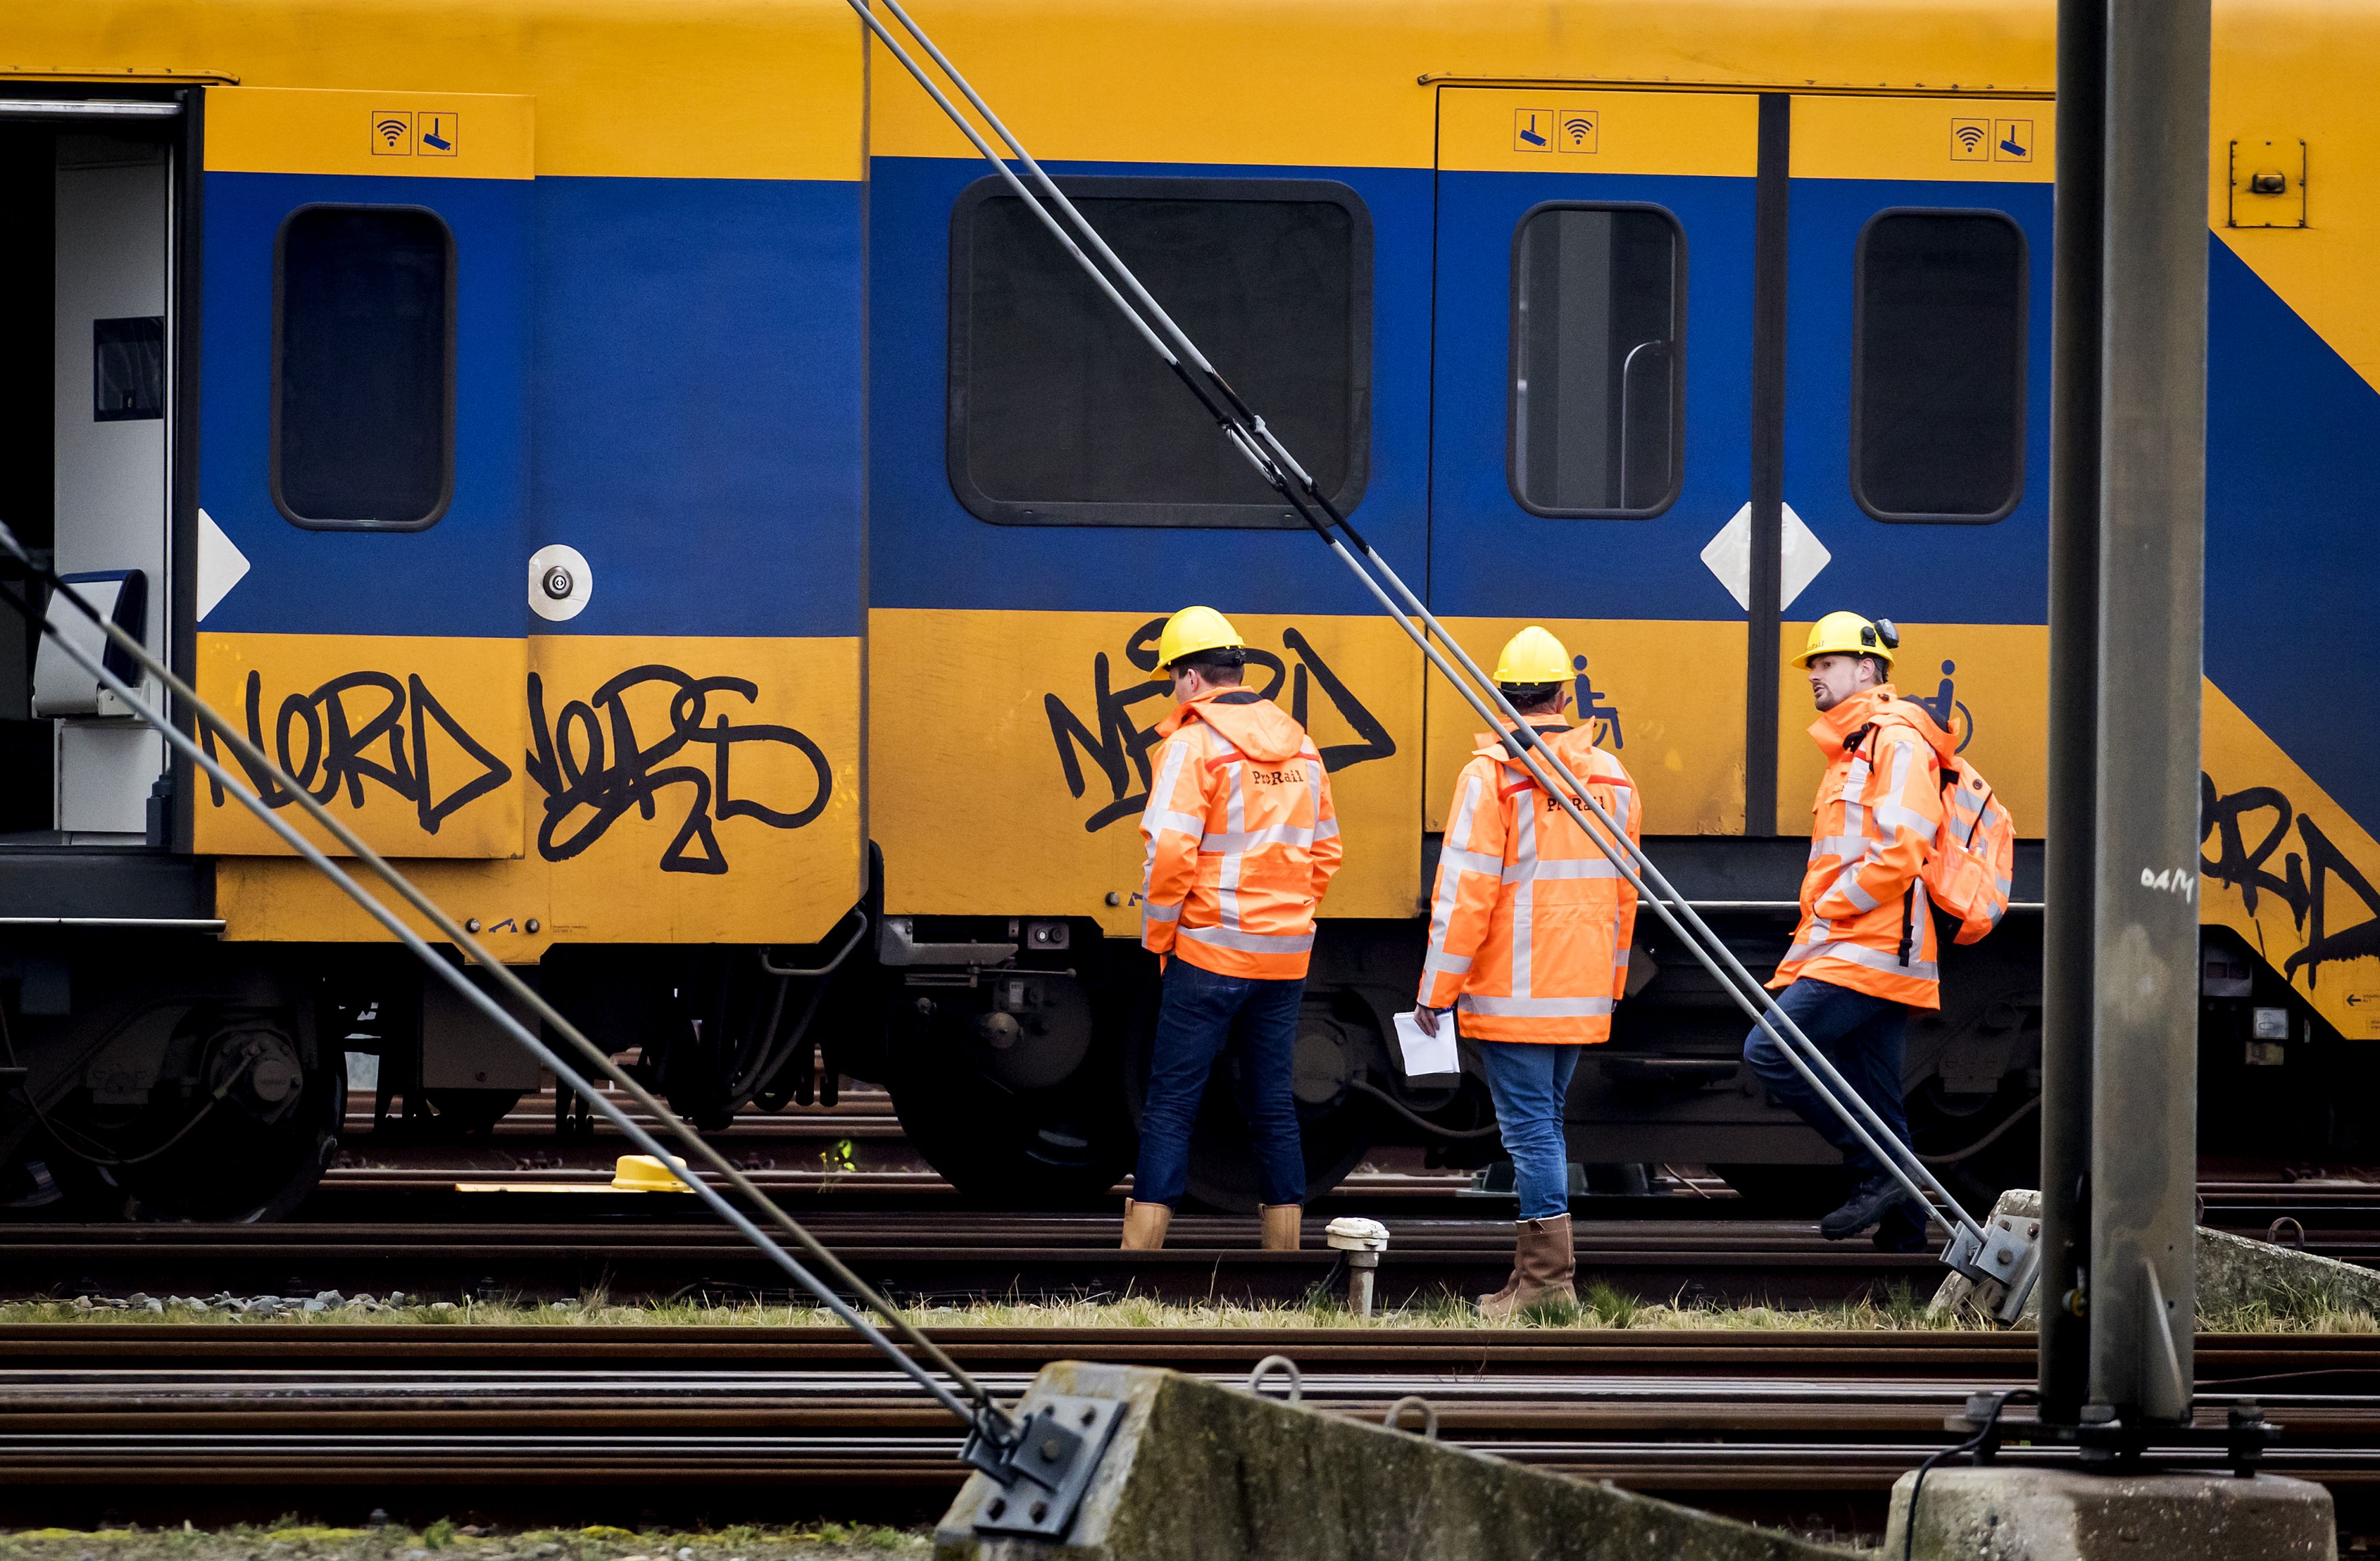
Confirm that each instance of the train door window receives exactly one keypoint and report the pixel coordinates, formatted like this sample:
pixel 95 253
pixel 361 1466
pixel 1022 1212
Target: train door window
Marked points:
pixel 1059 412
pixel 363 367
pixel 1937 354
pixel 1599 360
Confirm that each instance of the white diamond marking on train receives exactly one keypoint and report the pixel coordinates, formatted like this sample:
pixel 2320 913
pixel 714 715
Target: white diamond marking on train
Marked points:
pixel 221 565
pixel 1728 556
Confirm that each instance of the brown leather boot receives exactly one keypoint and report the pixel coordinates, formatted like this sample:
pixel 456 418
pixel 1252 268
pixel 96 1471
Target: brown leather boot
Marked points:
pixel 1285 1225
pixel 1545 1267
pixel 1144 1226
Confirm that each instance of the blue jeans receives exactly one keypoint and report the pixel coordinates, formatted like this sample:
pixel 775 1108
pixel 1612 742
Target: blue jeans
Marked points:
pixel 1529 1081
pixel 1862 1036
pixel 1194 1025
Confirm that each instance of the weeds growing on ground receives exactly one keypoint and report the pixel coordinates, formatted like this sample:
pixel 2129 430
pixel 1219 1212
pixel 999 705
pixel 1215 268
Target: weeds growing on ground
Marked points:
pixel 1895 1308
pixel 291 1540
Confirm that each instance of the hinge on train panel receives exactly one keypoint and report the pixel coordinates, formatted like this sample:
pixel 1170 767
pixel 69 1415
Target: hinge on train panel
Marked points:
pixel 2003 1262
pixel 1044 1472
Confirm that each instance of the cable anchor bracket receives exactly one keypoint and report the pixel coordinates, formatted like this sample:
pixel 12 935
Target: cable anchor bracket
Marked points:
pixel 1043 1464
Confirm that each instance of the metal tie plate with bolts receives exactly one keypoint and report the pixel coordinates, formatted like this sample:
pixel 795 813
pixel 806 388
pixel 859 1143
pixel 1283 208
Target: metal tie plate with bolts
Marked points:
pixel 1044 1472
pixel 2003 1262
pixel 1362 1241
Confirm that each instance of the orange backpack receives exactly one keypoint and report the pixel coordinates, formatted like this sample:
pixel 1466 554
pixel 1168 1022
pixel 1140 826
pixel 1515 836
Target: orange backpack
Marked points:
pixel 1967 873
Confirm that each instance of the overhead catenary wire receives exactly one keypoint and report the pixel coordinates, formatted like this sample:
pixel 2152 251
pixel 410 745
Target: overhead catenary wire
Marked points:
pixel 1273 461
pixel 983 1414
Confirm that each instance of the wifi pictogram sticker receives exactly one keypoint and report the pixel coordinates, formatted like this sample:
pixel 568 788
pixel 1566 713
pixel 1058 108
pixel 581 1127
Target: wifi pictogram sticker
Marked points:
pixel 392 133
pixel 1970 140
pixel 1574 131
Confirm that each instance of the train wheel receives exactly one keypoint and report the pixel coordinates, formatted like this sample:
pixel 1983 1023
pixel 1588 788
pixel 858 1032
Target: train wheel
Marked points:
pixel 253 1154
pixel 1046 1149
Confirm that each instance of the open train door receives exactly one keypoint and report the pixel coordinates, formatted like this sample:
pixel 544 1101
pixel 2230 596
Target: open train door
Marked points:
pixel 362 502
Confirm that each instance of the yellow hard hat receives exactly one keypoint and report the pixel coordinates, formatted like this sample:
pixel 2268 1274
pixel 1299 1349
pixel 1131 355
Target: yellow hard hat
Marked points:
pixel 1848 633
pixel 1533 656
pixel 642 1173
pixel 1192 630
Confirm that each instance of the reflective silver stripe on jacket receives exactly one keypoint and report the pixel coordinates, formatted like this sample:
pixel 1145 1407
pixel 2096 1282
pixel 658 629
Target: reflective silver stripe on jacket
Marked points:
pixel 1525 892
pixel 1278 834
pixel 1568 867
pixel 1251 942
pixel 1449 883
pixel 1858 954
pixel 1534 1008
pixel 1161 913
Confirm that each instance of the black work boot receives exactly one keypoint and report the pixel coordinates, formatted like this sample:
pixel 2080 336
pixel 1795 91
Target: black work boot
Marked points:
pixel 1904 1229
pixel 1868 1204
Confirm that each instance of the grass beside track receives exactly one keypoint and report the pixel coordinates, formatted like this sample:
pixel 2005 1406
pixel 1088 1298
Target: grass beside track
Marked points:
pixel 1897 1310
pixel 444 1541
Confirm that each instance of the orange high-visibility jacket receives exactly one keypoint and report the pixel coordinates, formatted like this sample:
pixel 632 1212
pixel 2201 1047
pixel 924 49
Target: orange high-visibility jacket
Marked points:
pixel 1241 838
pixel 1866 924
pixel 1530 925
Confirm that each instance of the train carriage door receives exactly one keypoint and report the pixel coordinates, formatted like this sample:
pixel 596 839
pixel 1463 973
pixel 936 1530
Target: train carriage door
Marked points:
pixel 1916 431
pixel 361 584
pixel 1590 443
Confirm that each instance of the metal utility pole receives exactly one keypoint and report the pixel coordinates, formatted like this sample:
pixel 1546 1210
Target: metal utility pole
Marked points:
pixel 2127 546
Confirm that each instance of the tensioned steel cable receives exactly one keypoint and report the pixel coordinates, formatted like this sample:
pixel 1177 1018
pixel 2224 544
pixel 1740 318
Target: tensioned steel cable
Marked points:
pixel 984 1415
pixel 1280 470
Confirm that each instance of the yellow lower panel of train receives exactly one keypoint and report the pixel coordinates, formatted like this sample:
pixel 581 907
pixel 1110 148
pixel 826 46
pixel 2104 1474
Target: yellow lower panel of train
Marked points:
pixel 2288 869
pixel 1988 683
pixel 1666 698
pixel 1022 795
pixel 614 789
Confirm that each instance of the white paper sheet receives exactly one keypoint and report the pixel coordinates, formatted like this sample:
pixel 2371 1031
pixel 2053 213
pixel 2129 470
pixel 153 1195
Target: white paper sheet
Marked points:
pixel 1426 1054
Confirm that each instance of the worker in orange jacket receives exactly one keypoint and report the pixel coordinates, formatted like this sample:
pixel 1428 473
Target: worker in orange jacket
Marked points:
pixel 1242 843
pixel 1863 955
pixel 1529 933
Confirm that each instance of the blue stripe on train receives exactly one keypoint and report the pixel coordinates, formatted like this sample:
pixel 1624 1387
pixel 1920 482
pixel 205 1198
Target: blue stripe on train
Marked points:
pixel 663 373
pixel 2292 490
pixel 928 551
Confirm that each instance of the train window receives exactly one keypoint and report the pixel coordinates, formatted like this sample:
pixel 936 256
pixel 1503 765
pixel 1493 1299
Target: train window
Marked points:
pixel 363 367
pixel 1598 360
pixel 1938 376
pixel 1061 415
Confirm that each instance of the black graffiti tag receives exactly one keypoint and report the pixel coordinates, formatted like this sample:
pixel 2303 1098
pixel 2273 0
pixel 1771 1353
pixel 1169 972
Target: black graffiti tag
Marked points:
pixel 593 768
pixel 2304 882
pixel 318 744
pixel 1120 748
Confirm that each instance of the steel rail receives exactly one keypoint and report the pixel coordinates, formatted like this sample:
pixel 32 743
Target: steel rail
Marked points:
pixel 986 1417
pixel 1273 461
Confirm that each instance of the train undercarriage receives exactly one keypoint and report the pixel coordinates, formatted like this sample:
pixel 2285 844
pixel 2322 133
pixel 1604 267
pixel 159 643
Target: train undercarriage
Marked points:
pixel 154 1071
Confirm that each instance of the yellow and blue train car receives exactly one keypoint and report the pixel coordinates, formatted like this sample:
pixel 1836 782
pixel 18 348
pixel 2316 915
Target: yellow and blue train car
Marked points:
pixel 635 463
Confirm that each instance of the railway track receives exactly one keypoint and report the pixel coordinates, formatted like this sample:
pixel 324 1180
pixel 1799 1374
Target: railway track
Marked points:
pixel 928 1254
pixel 654 1246
pixel 1778 1424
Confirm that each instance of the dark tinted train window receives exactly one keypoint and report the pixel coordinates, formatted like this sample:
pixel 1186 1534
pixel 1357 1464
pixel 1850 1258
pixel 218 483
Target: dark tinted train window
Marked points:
pixel 127 368
pixel 1938 388
pixel 363 367
pixel 1598 360
pixel 1061 414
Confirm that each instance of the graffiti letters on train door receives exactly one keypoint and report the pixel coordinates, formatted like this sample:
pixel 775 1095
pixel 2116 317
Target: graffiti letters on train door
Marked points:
pixel 2333 906
pixel 1118 747
pixel 595 766
pixel 326 745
